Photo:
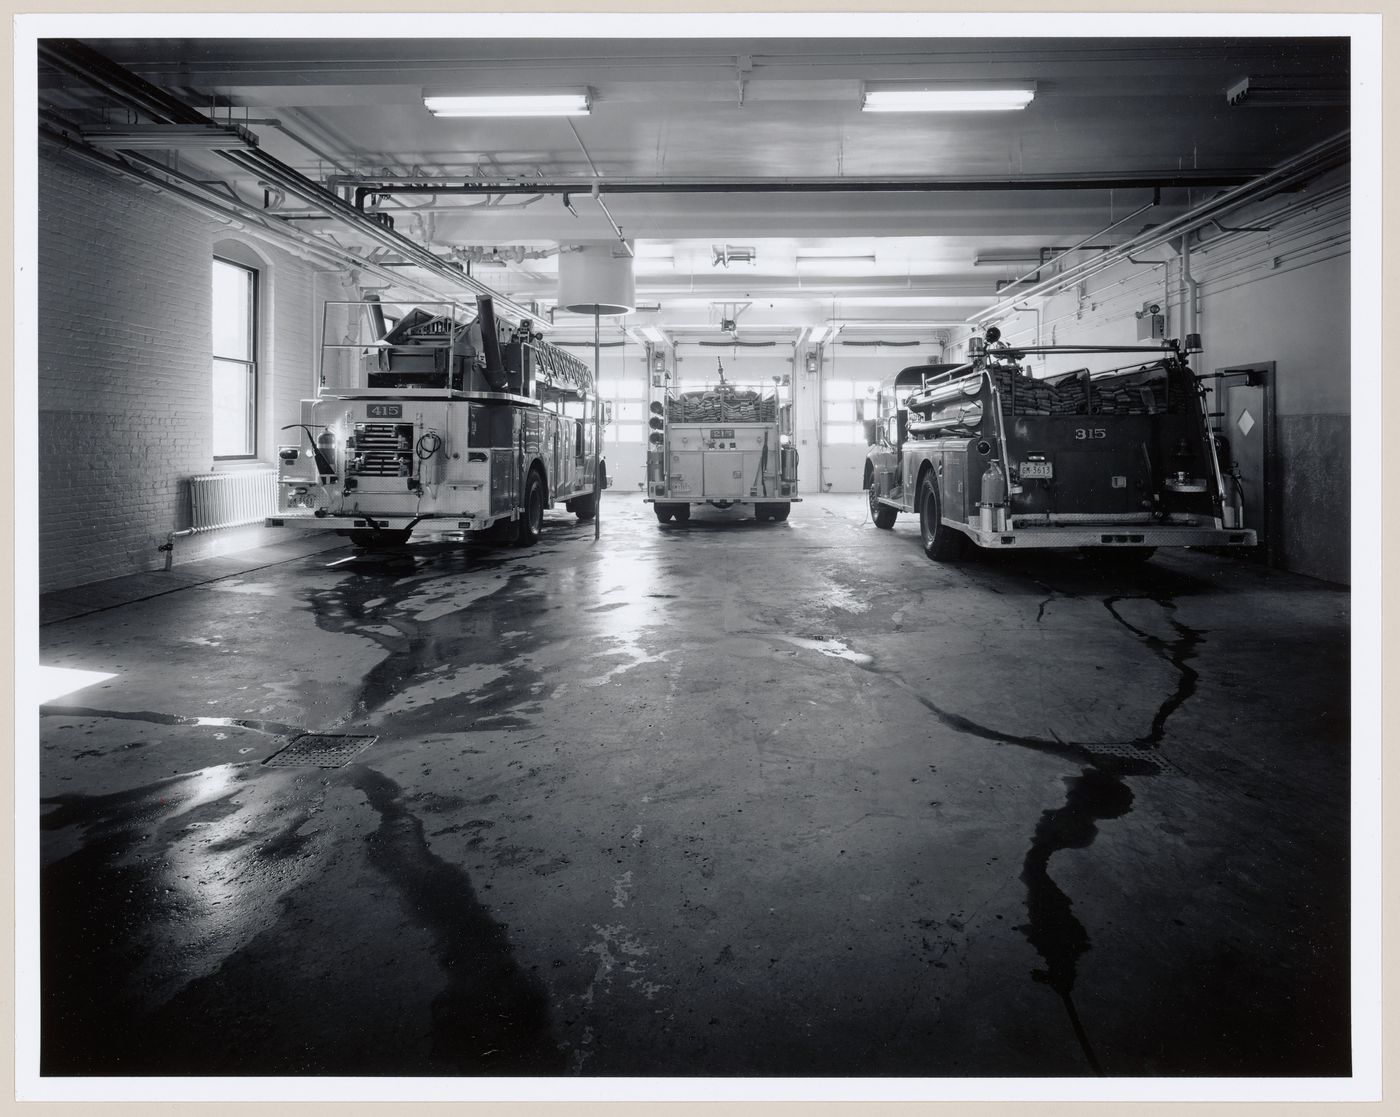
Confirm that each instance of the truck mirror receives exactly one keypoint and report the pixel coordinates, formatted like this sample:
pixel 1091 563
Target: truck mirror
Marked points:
pixel 607 412
pixel 870 437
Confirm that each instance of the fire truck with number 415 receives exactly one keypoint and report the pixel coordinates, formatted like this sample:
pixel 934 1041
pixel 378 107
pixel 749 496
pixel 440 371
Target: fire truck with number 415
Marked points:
pixel 428 421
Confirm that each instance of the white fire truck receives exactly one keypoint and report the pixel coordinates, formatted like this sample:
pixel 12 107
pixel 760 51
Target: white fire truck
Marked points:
pixel 1119 460
pixel 724 445
pixel 429 419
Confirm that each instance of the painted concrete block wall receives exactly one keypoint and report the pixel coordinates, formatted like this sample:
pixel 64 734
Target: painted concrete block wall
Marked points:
pixel 124 377
pixel 1297 316
pixel 1300 320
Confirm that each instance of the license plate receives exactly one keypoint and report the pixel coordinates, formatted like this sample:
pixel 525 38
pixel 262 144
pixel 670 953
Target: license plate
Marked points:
pixel 1037 469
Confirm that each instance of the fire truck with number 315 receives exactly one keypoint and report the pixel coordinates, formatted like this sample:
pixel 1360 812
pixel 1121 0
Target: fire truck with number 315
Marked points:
pixel 1118 461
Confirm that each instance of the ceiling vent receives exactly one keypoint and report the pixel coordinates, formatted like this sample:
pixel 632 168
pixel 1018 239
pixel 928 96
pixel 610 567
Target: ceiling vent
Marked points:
pixel 726 254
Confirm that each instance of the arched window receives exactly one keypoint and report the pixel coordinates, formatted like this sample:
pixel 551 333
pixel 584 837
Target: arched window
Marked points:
pixel 235 323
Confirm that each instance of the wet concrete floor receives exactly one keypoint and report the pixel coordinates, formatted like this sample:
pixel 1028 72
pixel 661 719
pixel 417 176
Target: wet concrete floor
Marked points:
pixel 718 799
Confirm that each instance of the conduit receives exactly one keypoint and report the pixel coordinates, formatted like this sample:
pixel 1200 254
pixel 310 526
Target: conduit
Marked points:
pixel 81 61
pixel 202 197
pixel 1316 160
pixel 366 187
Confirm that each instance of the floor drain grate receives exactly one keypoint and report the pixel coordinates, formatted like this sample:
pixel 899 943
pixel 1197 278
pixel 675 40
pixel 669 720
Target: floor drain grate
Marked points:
pixel 1133 752
pixel 319 750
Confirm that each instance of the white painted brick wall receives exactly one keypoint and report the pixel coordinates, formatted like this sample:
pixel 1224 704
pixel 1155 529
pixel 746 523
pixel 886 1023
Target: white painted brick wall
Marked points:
pixel 124 380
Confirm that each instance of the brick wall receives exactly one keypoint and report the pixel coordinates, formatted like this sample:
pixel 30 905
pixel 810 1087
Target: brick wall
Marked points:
pixel 124 380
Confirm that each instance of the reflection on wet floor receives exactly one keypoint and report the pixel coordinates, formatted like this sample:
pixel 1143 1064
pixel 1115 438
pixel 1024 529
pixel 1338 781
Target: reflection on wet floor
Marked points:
pixel 634 800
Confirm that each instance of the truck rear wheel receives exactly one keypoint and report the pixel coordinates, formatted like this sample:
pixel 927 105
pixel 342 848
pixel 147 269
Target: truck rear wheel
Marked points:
pixel 781 512
pixel 882 515
pixel 502 531
pixel 681 512
pixel 941 543
pixel 532 514
pixel 586 507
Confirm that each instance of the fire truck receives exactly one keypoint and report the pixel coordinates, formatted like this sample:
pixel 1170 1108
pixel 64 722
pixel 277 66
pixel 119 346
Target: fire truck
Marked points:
pixel 431 419
pixel 724 445
pixel 1119 461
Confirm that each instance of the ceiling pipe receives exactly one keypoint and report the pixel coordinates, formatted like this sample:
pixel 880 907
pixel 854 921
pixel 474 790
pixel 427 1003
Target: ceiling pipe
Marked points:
pixel 1316 160
pixel 367 187
pixel 83 62
pixel 1156 201
pixel 201 196
pixel 316 151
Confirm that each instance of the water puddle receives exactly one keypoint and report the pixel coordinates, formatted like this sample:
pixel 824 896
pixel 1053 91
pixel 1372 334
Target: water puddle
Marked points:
pixel 273 728
pixel 829 646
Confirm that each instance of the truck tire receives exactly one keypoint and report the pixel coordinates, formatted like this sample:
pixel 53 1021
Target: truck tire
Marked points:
pixel 681 512
pixel 941 543
pixel 586 507
pixel 664 512
pixel 881 515
pixel 532 512
pixel 782 512
pixel 502 531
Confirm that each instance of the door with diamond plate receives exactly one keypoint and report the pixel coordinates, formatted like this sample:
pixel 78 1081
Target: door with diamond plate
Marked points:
pixel 1246 418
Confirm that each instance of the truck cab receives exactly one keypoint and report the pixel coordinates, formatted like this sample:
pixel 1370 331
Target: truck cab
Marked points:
pixel 886 433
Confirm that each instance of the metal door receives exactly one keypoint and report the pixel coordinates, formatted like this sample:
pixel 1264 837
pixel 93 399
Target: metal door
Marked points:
pixel 1246 417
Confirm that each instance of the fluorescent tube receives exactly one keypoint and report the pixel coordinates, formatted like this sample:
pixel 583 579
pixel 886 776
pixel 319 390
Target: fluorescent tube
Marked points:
pixel 510 104
pixel 950 99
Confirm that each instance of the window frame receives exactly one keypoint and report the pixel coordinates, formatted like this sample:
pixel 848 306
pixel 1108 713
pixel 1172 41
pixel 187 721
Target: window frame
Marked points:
pixel 250 364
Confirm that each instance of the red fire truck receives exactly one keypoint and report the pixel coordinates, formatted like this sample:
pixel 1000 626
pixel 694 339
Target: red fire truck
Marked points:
pixel 430 419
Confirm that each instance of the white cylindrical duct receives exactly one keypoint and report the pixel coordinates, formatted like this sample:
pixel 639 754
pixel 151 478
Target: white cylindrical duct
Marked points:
pixel 597 279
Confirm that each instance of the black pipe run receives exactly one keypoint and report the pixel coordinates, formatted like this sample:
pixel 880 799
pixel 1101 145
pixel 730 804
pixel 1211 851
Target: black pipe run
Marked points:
pixel 79 60
pixel 1146 181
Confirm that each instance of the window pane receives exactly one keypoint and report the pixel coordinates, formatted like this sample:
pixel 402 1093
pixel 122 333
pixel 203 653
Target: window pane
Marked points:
pixel 839 389
pixel 233 312
pixel 613 388
pixel 233 409
pixel 626 432
pixel 844 434
pixel 838 411
pixel 629 409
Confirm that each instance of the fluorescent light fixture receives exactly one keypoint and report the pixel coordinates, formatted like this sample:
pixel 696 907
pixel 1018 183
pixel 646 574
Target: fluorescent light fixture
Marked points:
pixel 509 104
pixel 818 335
pixel 653 335
pixel 954 97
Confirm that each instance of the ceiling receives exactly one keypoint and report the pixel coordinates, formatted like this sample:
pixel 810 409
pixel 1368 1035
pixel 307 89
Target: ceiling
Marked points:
pixel 949 205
